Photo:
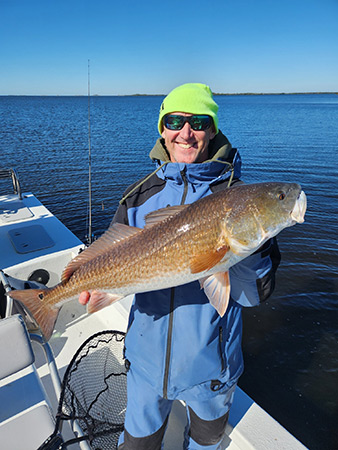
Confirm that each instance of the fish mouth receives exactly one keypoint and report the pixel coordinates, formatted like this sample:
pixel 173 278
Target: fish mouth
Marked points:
pixel 298 212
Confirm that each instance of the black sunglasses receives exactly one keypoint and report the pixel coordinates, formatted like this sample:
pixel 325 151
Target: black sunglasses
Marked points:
pixel 197 122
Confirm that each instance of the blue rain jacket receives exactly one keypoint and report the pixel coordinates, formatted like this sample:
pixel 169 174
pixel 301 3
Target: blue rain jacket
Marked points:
pixel 179 343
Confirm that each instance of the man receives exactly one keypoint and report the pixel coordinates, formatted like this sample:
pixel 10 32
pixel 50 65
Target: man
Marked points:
pixel 177 346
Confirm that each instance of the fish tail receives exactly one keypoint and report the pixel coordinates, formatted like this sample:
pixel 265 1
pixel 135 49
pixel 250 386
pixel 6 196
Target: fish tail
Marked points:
pixel 44 314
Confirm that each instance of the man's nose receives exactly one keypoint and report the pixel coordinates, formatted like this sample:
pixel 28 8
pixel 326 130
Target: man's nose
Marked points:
pixel 187 131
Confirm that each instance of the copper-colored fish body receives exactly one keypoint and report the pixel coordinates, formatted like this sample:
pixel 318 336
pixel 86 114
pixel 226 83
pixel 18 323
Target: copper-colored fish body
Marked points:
pixel 178 245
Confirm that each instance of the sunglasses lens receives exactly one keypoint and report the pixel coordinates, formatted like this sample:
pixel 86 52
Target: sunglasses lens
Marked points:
pixel 199 123
pixel 174 122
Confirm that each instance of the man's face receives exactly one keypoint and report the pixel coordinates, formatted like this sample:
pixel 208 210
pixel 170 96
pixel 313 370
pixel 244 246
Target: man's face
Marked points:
pixel 187 145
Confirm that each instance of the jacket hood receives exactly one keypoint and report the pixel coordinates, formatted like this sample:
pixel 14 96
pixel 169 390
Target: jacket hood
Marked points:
pixel 219 148
pixel 223 162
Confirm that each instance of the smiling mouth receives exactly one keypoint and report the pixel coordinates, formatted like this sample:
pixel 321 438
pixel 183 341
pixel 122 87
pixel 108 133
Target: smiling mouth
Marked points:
pixel 184 146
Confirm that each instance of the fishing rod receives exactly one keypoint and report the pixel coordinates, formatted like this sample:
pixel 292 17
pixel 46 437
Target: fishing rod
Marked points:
pixel 90 235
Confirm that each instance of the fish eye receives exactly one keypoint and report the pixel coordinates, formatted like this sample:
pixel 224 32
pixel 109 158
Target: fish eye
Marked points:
pixel 281 196
pixel 40 296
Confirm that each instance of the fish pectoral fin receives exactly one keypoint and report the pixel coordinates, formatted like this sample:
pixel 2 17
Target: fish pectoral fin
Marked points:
pixel 115 234
pixel 205 261
pixel 44 314
pixel 99 300
pixel 161 214
pixel 217 289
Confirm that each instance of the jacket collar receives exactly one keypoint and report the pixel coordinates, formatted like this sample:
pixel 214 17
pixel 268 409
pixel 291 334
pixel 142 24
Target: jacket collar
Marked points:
pixel 219 148
pixel 222 158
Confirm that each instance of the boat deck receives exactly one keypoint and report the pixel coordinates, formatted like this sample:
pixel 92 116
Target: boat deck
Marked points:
pixel 250 427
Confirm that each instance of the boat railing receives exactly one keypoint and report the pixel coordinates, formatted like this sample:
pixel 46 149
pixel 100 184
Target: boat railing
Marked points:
pixel 10 173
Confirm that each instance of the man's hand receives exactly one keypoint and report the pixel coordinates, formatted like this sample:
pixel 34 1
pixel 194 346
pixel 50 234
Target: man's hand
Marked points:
pixel 97 300
pixel 84 298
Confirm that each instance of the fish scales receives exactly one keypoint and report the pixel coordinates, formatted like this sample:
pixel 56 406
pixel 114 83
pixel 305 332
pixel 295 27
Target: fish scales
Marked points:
pixel 168 252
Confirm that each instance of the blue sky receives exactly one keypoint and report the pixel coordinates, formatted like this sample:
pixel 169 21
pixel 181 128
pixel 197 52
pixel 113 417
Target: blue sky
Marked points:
pixel 150 47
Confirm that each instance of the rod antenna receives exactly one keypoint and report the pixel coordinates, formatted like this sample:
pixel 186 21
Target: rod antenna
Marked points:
pixel 89 237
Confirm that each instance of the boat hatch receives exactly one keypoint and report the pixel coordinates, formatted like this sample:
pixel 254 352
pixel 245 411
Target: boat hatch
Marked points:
pixel 30 238
pixel 13 210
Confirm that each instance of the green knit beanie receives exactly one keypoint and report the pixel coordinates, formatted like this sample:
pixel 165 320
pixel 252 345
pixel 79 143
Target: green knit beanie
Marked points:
pixel 192 98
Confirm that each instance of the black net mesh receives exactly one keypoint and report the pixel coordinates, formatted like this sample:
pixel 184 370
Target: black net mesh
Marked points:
pixel 94 390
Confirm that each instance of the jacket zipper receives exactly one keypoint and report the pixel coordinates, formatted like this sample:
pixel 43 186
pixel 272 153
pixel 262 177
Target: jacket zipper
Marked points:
pixel 171 312
pixel 169 337
pixel 185 190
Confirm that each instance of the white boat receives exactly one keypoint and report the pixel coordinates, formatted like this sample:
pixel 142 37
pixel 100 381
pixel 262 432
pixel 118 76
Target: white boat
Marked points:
pixel 36 246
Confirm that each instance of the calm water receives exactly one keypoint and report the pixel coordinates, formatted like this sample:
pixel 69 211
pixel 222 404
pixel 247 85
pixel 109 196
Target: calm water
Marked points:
pixel 291 341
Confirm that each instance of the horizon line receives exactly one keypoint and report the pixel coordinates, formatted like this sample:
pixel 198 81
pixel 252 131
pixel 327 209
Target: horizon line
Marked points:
pixel 163 95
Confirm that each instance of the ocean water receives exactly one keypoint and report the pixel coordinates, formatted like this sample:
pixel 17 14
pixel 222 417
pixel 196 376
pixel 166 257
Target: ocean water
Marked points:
pixel 290 343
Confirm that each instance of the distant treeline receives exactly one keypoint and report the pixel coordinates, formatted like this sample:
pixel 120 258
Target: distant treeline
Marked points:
pixel 163 95
pixel 277 93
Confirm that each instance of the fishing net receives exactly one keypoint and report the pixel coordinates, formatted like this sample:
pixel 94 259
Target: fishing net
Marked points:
pixel 93 393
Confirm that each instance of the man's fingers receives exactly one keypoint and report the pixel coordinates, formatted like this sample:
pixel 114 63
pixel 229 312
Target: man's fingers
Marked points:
pixel 84 298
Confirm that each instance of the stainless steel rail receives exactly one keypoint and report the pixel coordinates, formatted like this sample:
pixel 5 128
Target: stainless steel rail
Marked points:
pixel 10 173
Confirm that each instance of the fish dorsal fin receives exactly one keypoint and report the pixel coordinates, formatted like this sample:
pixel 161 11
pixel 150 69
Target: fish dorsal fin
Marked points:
pixel 217 289
pixel 162 214
pixel 207 260
pixel 115 234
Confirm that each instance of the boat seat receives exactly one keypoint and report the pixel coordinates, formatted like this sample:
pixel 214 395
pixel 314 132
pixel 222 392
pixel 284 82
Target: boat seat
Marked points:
pixel 26 418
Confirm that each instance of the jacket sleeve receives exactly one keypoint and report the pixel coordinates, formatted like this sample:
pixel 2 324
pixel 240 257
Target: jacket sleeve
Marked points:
pixel 121 215
pixel 253 279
